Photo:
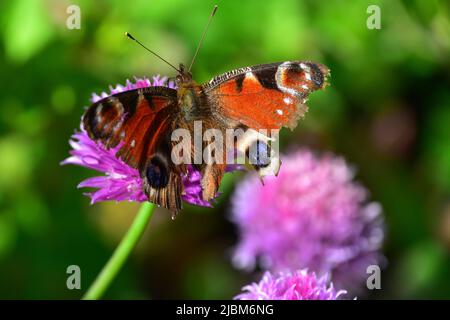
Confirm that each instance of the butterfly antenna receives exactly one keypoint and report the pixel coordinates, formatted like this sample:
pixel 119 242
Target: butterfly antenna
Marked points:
pixel 203 36
pixel 154 53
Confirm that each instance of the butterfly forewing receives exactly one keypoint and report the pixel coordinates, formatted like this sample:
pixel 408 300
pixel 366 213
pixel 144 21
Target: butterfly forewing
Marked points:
pixel 140 121
pixel 266 96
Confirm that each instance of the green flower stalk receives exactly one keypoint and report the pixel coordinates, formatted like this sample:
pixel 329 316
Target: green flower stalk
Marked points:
pixel 121 254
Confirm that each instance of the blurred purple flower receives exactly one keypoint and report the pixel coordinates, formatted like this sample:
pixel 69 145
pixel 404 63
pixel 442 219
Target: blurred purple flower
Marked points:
pixel 313 215
pixel 122 182
pixel 299 285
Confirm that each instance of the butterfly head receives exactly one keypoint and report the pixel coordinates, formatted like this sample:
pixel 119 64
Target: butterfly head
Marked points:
pixel 184 76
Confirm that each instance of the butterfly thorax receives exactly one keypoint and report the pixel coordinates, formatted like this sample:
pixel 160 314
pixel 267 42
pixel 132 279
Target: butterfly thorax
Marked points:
pixel 188 94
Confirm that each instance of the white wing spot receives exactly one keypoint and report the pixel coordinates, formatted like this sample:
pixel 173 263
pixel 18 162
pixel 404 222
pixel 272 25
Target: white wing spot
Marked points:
pixel 280 112
pixel 308 76
pixel 304 67
pixel 287 100
pixel 304 86
pixel 250 76
pixel 133 143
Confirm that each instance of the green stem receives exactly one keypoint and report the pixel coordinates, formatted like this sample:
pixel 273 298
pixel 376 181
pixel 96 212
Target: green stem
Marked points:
pixel 120 255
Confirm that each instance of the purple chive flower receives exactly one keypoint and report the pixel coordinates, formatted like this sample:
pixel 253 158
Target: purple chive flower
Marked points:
pixel 122 182
pixel 299 285
pixel 140 83
pixel 313 215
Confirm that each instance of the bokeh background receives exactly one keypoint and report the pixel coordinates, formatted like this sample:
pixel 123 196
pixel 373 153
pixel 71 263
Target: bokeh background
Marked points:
pixel 387 112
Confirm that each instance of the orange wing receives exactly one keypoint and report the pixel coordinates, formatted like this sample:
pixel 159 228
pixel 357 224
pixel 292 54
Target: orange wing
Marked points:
pixel 140 120
pixel 266 96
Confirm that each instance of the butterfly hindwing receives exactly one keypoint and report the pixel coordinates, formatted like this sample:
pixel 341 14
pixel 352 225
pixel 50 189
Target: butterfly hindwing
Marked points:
pixel 267 96
pixel 140 121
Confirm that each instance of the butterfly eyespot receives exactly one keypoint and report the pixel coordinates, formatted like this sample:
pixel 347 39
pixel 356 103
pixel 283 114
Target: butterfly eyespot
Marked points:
pixel 318 74
pixel 157 174
pixel 259 154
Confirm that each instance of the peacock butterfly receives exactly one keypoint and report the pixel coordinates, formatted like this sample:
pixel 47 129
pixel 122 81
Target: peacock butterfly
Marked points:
pixel 262 97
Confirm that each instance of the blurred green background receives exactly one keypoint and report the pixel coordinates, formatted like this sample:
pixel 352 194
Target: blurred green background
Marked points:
pixel 387 111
